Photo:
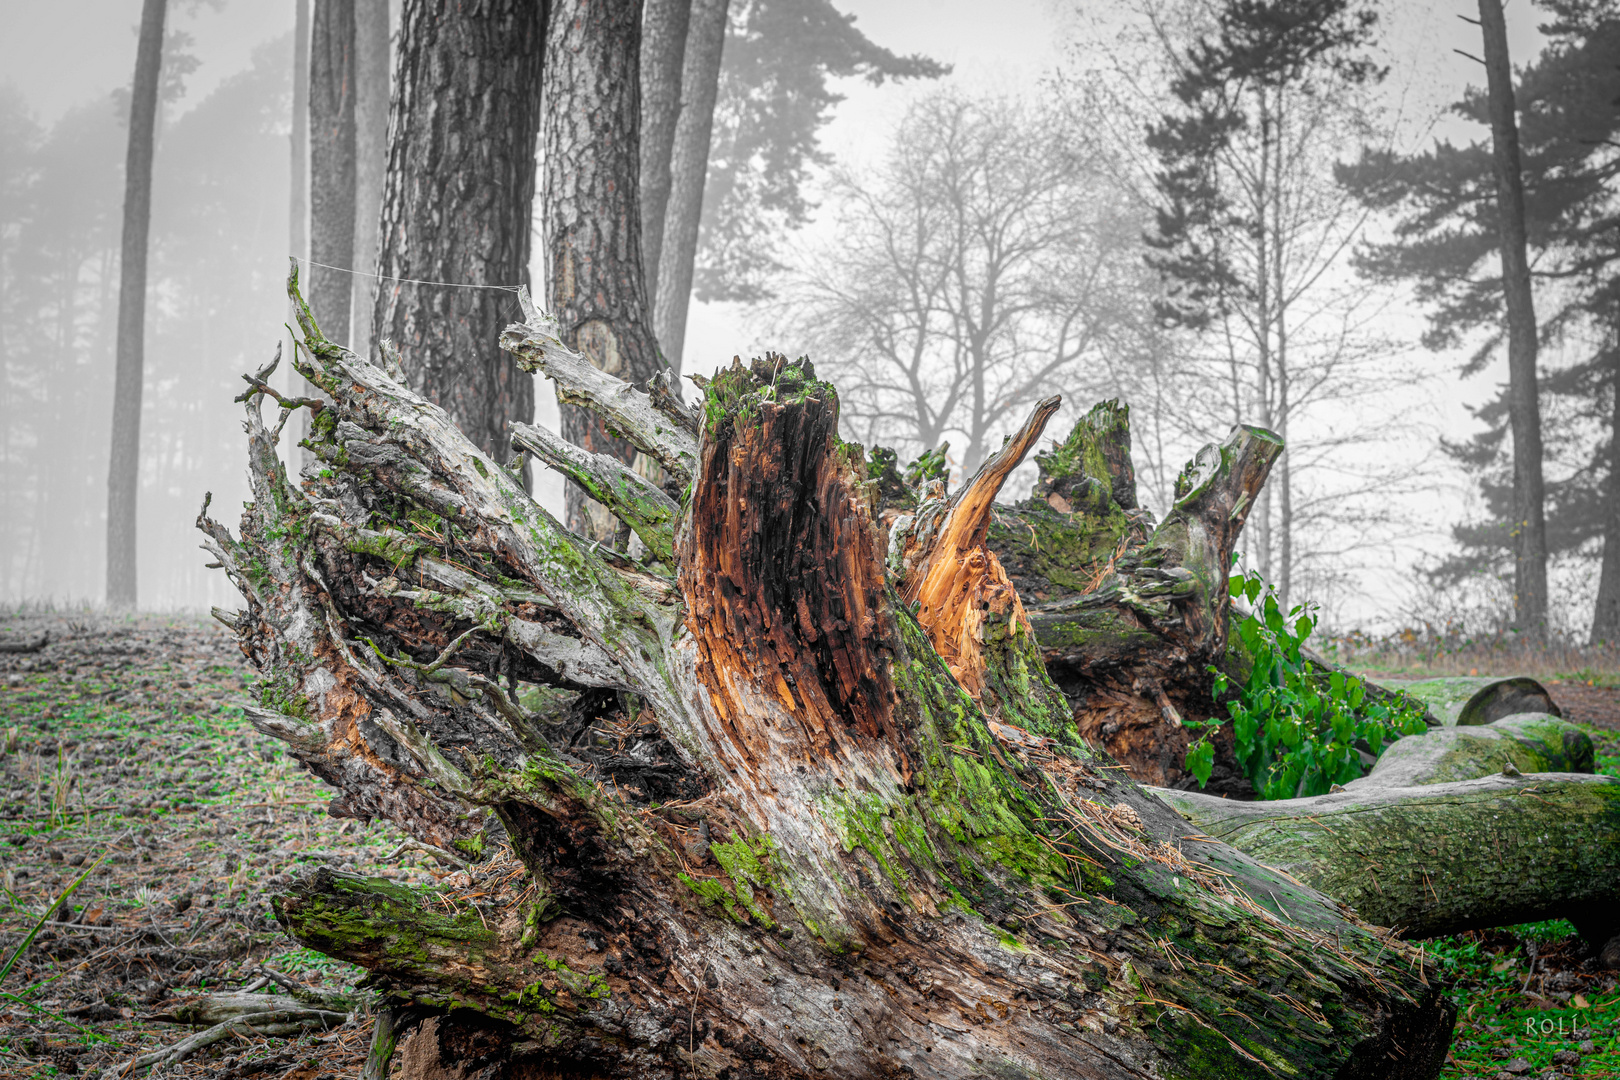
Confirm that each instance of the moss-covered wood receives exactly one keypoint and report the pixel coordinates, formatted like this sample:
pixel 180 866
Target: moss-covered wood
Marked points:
pixel 1441 858
pixel 862 874
pixel 1527 742
pixel 1465 700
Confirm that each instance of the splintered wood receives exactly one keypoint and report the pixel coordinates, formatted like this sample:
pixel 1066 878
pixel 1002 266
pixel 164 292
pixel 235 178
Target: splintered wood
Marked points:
pixel 782 572
pixel 959 585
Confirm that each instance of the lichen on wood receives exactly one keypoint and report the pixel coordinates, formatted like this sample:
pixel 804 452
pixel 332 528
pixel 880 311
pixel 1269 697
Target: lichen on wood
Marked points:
pixel 874 866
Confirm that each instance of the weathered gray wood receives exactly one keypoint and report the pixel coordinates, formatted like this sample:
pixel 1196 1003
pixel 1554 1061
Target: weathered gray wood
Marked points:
pixel 858 872
pixel 628 495
pixel 538 347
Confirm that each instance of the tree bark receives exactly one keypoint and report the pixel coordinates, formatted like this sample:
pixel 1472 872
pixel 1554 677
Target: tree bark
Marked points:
pixel 370 161
pixel 457 205
pixel 689 168
pixel 1606 612
pixel 123 473
pixel 1529 525
pixel 663 48
pixel 772 833
pixel 1465 700
pixel 332 198
pixel 1129 616
pixel 1528 742
pixel 298 199
pixel 593 214
pixel 1444 858
pixel 298 186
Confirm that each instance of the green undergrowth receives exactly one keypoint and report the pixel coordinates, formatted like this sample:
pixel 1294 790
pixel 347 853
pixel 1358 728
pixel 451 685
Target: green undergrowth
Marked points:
pixel 1522 994
pixel 1298 730
pixel 1607 747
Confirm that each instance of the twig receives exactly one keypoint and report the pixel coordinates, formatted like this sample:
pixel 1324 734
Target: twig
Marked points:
pixel 257 385
pixel 412 844
pixel 280 1022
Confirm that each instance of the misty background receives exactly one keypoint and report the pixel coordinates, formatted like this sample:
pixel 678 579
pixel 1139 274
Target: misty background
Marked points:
pixel 1033 116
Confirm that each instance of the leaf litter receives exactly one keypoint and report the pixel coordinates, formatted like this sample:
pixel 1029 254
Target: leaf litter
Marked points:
pixel 126 762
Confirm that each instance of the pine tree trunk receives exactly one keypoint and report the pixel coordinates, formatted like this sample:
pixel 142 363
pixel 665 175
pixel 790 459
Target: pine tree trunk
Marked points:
pixel 593 214
pixel 1524 403
pixel 663 47
pixel 770 829
pixel 457 205
pixel 1606 612
pixel 332 165
pixel 298 186
pixel 123 473
pixel 370 160
pixel 689 168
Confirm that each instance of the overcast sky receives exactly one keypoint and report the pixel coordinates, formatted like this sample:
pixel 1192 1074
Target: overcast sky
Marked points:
pixel 65 52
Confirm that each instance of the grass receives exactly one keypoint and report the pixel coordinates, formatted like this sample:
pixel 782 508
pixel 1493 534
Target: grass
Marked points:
pixel 121 738
pixel 1427 652
pixel 1502 1015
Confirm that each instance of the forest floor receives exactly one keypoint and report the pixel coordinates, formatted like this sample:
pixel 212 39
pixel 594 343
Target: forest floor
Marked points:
pixel 125 765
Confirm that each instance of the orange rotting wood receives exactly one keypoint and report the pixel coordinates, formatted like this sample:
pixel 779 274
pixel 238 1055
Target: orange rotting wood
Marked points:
pixel 960 585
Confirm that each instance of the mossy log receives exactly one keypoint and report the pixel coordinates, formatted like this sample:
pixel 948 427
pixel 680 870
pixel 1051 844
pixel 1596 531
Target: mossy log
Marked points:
pixel 737 817
pixel 1466 700
pixel 1131 615
pixel 1442 858
pixel 1526 743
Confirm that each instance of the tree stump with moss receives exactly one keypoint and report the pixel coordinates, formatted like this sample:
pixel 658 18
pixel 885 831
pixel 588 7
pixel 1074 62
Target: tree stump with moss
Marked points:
pixel 778 795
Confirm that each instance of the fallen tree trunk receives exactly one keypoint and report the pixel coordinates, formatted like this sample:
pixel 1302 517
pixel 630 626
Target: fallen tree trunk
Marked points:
pixel 1130 616
pixel 1524 743
pixel 768 830
pixel 1442 858
pixel 1466 700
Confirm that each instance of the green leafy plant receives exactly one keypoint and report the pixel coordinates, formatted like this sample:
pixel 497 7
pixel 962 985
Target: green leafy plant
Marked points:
pixel 1298 730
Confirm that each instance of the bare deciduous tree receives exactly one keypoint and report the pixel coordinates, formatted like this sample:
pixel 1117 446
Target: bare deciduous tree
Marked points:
pixel 1254 238
pixel 968 275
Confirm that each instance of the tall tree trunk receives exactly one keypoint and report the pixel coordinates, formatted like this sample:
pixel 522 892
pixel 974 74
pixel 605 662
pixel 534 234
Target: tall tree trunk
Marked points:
pixel 663 50
pixel 1529 524
pixel 123 473
pixel 816 855
pixel 457 205
pixel 298 186
pixel 331 164
pixel 593 214
pixel 370 160
pixel 689 168
pixel 1606 612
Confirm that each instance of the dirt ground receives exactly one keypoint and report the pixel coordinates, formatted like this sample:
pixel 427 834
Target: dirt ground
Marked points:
pixel 124 758
pixel 126 765
pixel 1585 703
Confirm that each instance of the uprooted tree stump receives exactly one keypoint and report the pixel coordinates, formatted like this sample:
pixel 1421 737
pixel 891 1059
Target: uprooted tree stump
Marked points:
pixel 779 795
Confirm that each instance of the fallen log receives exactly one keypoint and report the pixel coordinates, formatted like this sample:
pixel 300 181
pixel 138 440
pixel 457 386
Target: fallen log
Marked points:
pixel 1442 858
pixel 1464 700
pixel 1129 614
pixel 206 1010
pixel 865 874
pixel 1526 743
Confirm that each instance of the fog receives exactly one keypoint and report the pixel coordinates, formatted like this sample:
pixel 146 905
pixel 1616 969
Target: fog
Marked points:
pixel 1382 501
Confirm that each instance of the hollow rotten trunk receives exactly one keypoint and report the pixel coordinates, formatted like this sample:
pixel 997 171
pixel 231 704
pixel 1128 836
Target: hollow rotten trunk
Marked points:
pixel 782 798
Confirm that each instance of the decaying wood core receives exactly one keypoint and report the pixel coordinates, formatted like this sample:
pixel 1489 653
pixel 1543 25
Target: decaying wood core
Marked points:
pixel 871 876
pixel 782 571
pixel 955 581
